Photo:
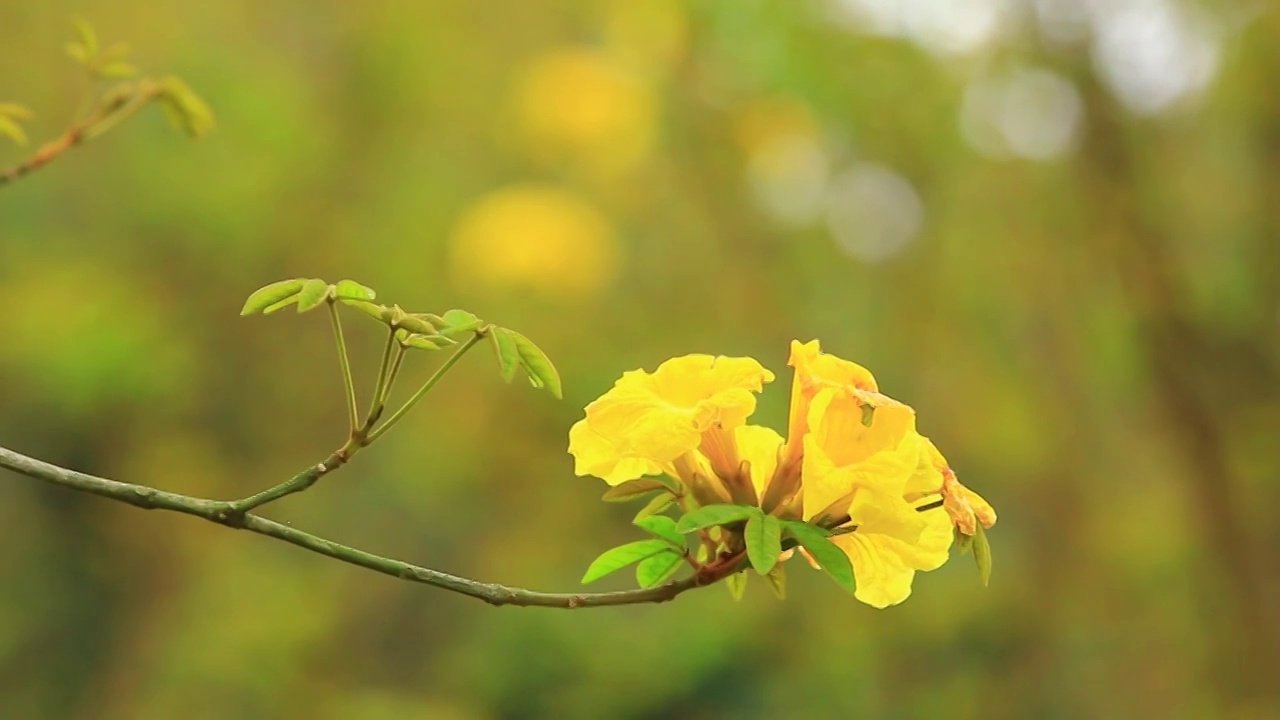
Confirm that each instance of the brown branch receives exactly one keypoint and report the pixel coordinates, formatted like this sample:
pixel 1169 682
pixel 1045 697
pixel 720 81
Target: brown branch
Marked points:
pixel 114 108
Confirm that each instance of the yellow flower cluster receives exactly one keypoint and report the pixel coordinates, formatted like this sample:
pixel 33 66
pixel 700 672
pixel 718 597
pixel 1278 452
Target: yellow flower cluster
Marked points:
pixel 852 461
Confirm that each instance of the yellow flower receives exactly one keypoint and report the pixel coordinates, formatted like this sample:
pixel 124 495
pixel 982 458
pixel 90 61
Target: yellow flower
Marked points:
pixel 863 467
pixel 965 507
pixel 815 370
pixel 653 422
pixel 852 462
pixel 891 543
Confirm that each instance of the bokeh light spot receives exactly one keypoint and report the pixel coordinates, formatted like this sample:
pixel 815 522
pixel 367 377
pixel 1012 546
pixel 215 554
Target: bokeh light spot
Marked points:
pixel 583 109
pixel 534 237
pixel 1029 113
pixel 873 212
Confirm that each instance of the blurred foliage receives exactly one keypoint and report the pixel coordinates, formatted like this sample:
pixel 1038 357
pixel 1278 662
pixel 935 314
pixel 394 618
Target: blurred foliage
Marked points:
pixel 1050 226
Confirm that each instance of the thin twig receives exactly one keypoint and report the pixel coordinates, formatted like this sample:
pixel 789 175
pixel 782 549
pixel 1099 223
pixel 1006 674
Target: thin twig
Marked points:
pixel 224 513
pixel 348 383
pixel 112 110
pixel 430 383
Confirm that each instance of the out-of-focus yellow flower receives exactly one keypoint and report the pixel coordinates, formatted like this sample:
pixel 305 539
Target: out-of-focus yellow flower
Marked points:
pixel 767 119
pixel 652 422
pixel 536 237
pixel 581 108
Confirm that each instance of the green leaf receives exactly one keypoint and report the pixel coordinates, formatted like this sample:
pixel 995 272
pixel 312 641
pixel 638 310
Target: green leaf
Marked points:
pixel 77 52
pixel 763 536
pixel 185 109
pixel 118 69
pixel 654 506
pixel 421 342
pixel 536 364
pixel 664 527
pixel 268 295
pixel 88 38
pixel 832 559
pixel 456 321
pixel 656 568
pixel 964 543
pixel 982 554
pixel 504 347
pixel 737 584
pixel 15 111
pixel 416 324
pixel 777 578
pixel 116 51
pixel 373 310
pixel 619 557
pixel 709 515
pixel 352 290
pixel 632 489
pixel 313 292
pixel 12 130
pixel 280 305
pixel 868 414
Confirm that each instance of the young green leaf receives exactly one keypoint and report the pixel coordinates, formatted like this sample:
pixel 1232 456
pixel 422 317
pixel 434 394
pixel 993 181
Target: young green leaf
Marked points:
pixel 118 69
pixel 619 557
pixel 11 129
pixel 832 559
pixel 313 293
pixel 709 515
pixel 273 294
pixel 88 38
pixel 982 554
pixel 659 503
pixel 777 578
pixel 963 542
pixel 456 321
pixel 632 489
pixel 536 364
pixel 663 527
pixel 352 290
pixel 415 324
pixel 372 310
pixel 763 536
pixel 656 568
pixel 737 584
pixel 504 347
pixel 421 342
pixel 185 109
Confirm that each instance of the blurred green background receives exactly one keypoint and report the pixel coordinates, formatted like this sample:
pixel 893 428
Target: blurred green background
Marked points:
pixel 1052 226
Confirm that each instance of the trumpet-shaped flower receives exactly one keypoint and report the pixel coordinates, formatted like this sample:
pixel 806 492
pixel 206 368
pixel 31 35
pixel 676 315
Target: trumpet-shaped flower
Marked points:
pixel 852 461
pixel 648 421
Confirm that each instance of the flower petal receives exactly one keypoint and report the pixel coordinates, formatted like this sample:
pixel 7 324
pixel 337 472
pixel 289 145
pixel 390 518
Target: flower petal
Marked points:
pixel 759 446
pixel 648 420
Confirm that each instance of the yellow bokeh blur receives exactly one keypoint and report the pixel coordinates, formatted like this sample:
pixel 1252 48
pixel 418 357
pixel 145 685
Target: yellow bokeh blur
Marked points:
pixel 584 110
pixel 534 237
